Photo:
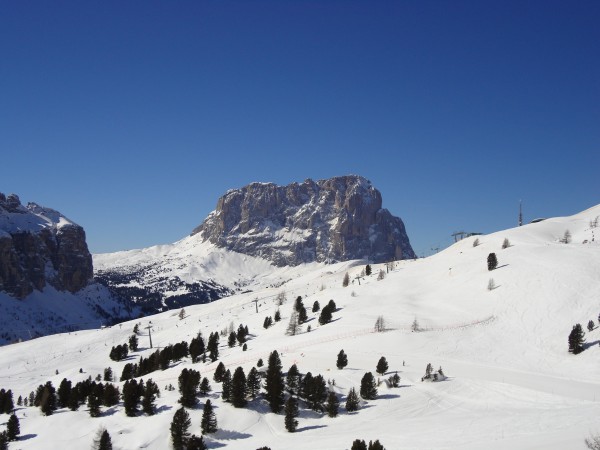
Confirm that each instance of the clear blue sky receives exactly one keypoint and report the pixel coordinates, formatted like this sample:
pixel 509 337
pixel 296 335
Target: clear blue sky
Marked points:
pixel 133 117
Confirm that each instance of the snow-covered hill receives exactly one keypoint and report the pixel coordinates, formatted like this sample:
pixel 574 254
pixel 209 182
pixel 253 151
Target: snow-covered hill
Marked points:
pixel 511 381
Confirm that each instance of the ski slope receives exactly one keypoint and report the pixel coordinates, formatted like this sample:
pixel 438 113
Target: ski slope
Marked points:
pixel 511 382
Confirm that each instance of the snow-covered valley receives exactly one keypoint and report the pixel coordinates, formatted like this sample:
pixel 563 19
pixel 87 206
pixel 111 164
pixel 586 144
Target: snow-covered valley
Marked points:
pixel 511 381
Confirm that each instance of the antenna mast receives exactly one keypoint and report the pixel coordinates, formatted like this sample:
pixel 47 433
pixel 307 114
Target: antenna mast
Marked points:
pixel 520 213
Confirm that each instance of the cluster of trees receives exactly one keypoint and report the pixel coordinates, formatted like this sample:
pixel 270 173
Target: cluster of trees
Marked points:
pixel 240 336
pixel 430 375
pixel 13 429
pixel 160 359
pixel 359 444
pixel 119 352
pixel 269 320
pixel 6 401
pixel 180 436
pixel 327 313
pixel 135 392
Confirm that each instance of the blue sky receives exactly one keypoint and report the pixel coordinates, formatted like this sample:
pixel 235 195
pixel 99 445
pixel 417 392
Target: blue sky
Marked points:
pixel 133 117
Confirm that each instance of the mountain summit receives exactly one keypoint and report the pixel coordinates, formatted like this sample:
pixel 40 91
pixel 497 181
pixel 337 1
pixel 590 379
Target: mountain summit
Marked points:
pixel 336 219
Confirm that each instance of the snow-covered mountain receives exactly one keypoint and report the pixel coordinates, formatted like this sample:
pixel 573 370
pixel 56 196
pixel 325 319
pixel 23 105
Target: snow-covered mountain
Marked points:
pixel 254 231
pixel 46 275
pixel 511 381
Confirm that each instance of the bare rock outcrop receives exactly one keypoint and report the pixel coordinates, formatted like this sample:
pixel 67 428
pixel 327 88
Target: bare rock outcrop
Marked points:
pixel 330 220
pixel 40 246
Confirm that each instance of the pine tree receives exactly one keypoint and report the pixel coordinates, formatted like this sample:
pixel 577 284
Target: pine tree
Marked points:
pixel 368 270
pixel 382 366
pixel 226 386
pixel 111 395
pixel 133 343
pixel 277 316
pixel 197 348
pixel 375 445
pixel 293 327
pixel 108 374
pixel 291 412
pixel 131 397
pixel 346 280
pixel 3 441
pixel 576 339
pixel 13 428
pixel 179 428
pixel 205 386
pixel 342 360
pixel 219 372
pixel 359 445
pixel 93 405
pixel 325 316
pixel 333 404
pixel 293 379
pixel 238 388
pixel 253 383
pixel 395 380
pixel 63 393
pixel 492 261
pixel 196 443
pixel 232 339
pixel 316 306
pixel 48 399
pixel 104 442
pixel 189 380
pixel 274 383
pixel 151 391
pixel 368 388
pixel 213 346
pixel 590 328
pixel 209 420
pixel 260 362
pixel 302 315
pixel 268 322
pixel 352 401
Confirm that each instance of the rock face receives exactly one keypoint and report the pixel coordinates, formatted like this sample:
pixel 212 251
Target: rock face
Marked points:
pixel 39 246
pixel 329 220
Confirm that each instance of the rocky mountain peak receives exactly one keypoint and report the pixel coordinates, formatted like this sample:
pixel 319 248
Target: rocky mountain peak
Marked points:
pixel 329 220
pixel 39 245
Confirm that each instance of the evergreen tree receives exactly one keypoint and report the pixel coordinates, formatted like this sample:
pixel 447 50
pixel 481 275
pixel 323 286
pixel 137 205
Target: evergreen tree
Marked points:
pixel 179 428
pixel 238 388
pixel 232 339
pixel 204 386
pixel 48 399
pixel 395 380
pixel 6 402
pixel 219 372
pixel 63 393
pixel 189 380
pixel 342 360
pixel 302 315
pixel 590 325
pixel 253 383
pixel 241 334
pixel 291 412
pixel 352 401
pixel 196 443
pixel 346 280
pixel 375 445
pixel 93 405
pixel 268 322
pixel 131 397
pixel 333 404
pixel 13 429
pixel 316 306
pixel 213 346
pixel 151 391
pixel 368 270
pixel 294 326
pixel 209 420
pixel 197 348
pixel 226 386
pixel 133 343
pixel 492 261
pixel 3 441
pixel 576 339
pixel 316 392
pixel 325 316
pixel 20 401
pixel 104 443
pixel 73 402
pixel 332 306
pixel 108 374
pixel 111 395
pixel 277 316
pixel 368 387
pixel 359 444
pixel 382 366
pixel 274 383
pixel 260 363
pixel 293 379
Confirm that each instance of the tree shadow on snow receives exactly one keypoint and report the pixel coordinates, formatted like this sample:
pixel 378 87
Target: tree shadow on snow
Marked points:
pixel 590 344
pixel 109 412
pixel 163 408
pixel 26 437
pixel 310 427
pixel 500 267
pixel 387 396
pixel 230 435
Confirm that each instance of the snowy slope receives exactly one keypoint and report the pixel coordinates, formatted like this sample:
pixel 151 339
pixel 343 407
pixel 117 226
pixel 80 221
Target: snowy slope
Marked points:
pixel 512 383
